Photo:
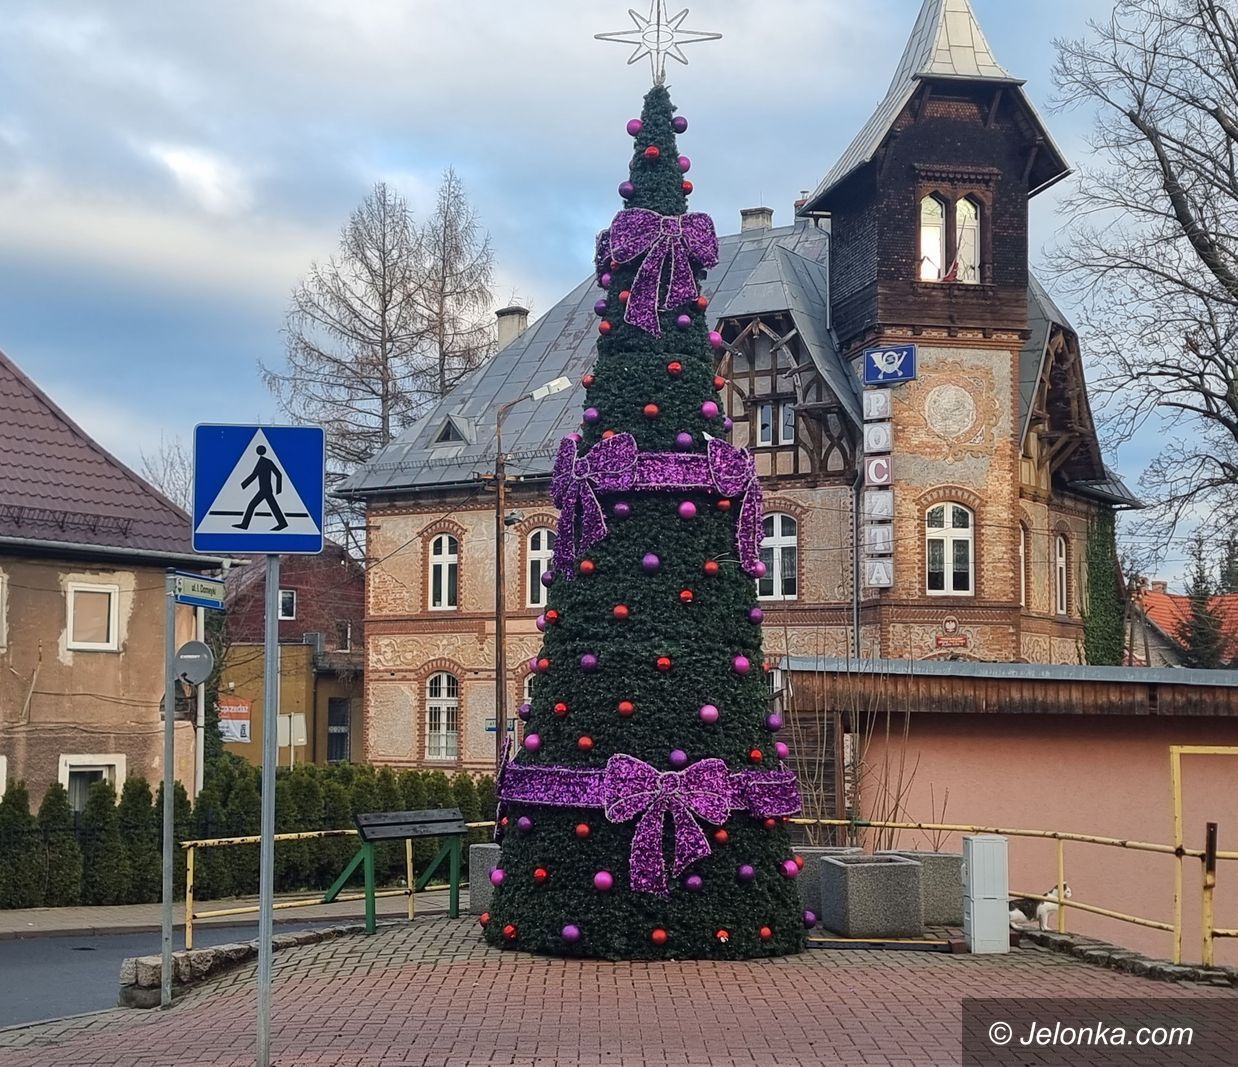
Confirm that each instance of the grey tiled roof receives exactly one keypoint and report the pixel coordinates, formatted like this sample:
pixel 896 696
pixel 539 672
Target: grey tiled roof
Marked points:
pixel 1108 490
pixel 767 270
pixel 946 43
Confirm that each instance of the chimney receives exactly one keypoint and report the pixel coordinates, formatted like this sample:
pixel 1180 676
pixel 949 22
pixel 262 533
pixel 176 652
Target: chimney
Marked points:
pixel 803 199
pixel 756 218
pixel 512 321
pixel 1160 587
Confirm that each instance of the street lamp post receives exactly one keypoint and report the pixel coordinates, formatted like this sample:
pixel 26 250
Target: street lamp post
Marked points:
pixel 500 561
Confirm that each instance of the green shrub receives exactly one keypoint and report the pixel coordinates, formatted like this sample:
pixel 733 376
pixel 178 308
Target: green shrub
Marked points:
pixel 62 857
pixel 213 867
pixel 105 859
pixel 413 790
pixel 21 854
pixel 244 818
pixel 142 833
pixel 182 830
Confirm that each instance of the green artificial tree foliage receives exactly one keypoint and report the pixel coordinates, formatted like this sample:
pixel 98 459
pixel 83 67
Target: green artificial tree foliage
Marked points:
pixel 22 875
pixel 695 609
pixel 1200 633
pixel 142 835
pixel 105 859
pixel 62 866
pixel 1103 637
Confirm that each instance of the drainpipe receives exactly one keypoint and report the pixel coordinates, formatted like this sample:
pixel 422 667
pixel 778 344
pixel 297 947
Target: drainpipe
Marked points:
pixel 857 488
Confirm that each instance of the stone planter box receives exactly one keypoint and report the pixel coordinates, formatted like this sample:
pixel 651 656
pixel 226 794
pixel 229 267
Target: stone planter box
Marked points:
pixel 809 881
pixel 871 896
pixel 482 860
pixel 941 882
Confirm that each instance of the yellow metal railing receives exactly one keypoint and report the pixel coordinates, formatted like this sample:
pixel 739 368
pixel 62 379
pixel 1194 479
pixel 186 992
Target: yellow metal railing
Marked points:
pixel 191 848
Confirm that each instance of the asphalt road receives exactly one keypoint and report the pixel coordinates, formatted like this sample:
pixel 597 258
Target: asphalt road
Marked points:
pixel 50 977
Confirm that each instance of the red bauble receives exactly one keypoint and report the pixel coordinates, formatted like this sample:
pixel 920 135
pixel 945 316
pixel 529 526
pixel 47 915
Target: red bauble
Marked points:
pixel 561 709
pixel 625 296
pixel 770 824
pixel 765 933
pixel 484 918
pixel 711 567
pixel 552 616
pixel 582 830
pixel 723 936
pixel 587 567
pixel 585 744
pixel 756 755
pixel 587 381
pixel 604 327
pixel 664 663
pixel 620 611
pixel 626 709
pixel 651 411
pixel 543 664
pixel 721 837
pixel 685 596
pixel 799 862
pixel 503 822
pixel 687 186
pixel 674 368
pixel 540 875
pixel 652 152
pixel 615 264
pixel 724 504
pixel 658 936
pixel 607 434
pixel 719 381
pixel 702 302
pixel 509 932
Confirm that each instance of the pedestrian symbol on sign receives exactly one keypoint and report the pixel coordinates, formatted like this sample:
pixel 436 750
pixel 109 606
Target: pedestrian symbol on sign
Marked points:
pixel 264 471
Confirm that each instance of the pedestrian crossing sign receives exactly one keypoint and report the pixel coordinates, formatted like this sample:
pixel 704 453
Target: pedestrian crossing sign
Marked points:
pixel 258 489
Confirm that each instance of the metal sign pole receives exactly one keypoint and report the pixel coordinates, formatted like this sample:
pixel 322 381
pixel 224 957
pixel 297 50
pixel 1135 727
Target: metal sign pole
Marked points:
pixel 169 781
pixel 270 743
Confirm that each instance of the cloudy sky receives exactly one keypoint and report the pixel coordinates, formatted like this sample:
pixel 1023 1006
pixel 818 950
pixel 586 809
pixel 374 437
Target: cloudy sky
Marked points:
pixel 169 169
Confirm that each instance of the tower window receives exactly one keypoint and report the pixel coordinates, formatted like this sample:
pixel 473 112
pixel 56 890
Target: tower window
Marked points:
pixel 932 238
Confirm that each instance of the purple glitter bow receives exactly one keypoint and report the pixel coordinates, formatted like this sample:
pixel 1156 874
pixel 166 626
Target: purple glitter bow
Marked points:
pixel 690 242
pixel 629 787
pixel 615 465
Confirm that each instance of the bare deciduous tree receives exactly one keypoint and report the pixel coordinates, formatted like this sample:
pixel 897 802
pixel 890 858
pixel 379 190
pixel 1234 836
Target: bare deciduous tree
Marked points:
pixel 170 470
pixel 1152 248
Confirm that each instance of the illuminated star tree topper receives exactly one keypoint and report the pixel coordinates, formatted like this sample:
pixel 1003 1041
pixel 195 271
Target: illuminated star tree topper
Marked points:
pixel 657 36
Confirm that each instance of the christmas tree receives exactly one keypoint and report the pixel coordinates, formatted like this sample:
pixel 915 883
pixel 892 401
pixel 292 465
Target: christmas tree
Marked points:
pixel 644 815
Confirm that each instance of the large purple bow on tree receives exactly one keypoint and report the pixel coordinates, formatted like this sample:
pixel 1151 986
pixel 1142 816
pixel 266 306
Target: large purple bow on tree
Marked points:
pixel 690 242
pixel 631 788
pixel 609 465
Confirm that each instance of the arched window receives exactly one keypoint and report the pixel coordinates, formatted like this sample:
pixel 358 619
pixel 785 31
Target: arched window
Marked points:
pixel 948 551
pixel 932 238
pixel 1061 557
pixel 541 550
pixel 780 554
pixel 444 572
pixel 1022 565
pixel 442 716
pixel 966 267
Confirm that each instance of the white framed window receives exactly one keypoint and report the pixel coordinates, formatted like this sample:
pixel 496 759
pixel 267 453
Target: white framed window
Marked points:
pixel 786 422
pixel 932 238
pixel 541 551
pixel 1061 558
pixel 780 554
pixel 528 688
pixel 442 716
pixel 339 730
pixel 444 572
pixel 967 241
pixel 765 423
pixel 93 617
pixel 949 536
pixel 77 773
pixel 1022 565
pixel 287 603
pixel 4 774
pixel 4 612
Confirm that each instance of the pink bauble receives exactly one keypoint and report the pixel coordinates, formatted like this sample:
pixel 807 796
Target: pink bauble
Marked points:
pixel 571 932
pixel 533 665
pixel 604 281
pixel 687 510
pixel 694 883
pixel 781 748
pixel 532 742
pixel 685 164
pixel 709 409
pixel 604 881
pixel 790 869
pixel 650 563
pixel 634 127
pixel 773 722
pixel 592 415
pixel 715 338
pixel 678 758
pixel 746 872
pixel 496 876
pixel 759 569
pixel 741 664
pixel 683 439
pixel 756 615
pixel 810 919
pixel 588 662
pixel 708 713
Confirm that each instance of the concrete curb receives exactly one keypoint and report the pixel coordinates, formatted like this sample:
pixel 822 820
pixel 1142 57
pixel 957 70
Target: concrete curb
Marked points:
pixel 1116 958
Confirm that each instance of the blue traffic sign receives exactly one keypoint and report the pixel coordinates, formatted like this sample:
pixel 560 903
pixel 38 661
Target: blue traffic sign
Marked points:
pixel 890 365
pixel 258 489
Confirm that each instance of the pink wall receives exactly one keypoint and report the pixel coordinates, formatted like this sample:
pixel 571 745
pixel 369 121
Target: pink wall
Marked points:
pixel 1107 776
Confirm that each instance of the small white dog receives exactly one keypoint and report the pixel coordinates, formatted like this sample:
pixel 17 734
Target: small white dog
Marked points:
pixel 1025 910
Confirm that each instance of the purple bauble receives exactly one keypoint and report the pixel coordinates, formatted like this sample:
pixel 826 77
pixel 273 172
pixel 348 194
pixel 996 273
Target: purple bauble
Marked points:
pixel 592 415
pixel 756 615
pixel 685 164
pixel 622 509
pixel 524 711
pixel 810 919
pixel 715 338
pixel 540 623
pixel 524 824
pixel 635 126
pixel 694 883
pixel 679 124
pixel 532 742
pixel 496 876
pixel 604 281
pixel 548 578
pixel 604 881
pixel 687 510
pixel 708 714
pixel 588 662
pixel 678 758
pixel 773 722
pixel 683 439
pixel 533 665
pixel 759 569
pixel 727 424
pixel 626 190
pixel 781 748
pixel 790 869
pixel 741 664
pixel 574 436
pixel 684 321
pixel 571 932
pixel 599 308
pixel 650 563
pixel 746 873
pixel 709 409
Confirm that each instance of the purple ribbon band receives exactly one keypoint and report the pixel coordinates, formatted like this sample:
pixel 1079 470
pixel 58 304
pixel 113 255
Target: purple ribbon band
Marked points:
pixel 628 788
pixel 616 465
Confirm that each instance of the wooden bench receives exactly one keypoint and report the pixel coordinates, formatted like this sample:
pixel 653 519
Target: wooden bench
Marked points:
pixel 384 826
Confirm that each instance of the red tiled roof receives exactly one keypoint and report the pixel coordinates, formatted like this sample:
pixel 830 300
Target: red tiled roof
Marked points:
pixel 58 485
pixel 1168 611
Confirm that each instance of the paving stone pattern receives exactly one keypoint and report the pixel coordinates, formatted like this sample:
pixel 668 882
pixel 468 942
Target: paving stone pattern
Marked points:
pixel 427 995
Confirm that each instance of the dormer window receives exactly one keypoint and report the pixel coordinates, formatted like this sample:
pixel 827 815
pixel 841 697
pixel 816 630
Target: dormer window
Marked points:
pixel 954 226
pixel 449 435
